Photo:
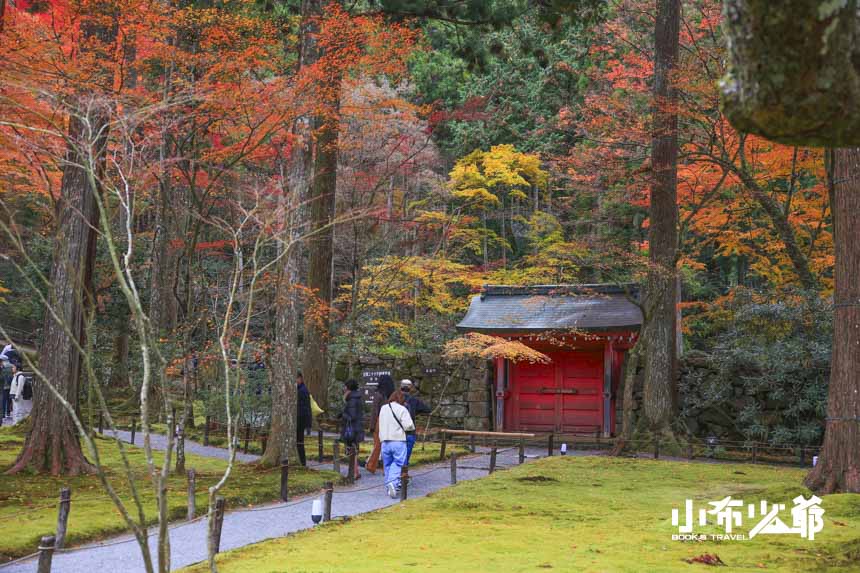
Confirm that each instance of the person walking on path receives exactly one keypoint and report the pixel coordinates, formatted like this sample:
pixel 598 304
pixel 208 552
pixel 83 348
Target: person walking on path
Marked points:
pixel 415 406
pixel 21 393
pixel 6 388
pixel 394 422
pixel 352 420
pixel 383 392
pixel 304 419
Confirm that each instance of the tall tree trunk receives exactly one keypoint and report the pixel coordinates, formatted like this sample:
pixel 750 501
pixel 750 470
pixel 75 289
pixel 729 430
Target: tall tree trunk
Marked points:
pixel 298 175
pixel 285 355
pixel 321 203
pixel 838 468
pixel 659 400
pixel 53 445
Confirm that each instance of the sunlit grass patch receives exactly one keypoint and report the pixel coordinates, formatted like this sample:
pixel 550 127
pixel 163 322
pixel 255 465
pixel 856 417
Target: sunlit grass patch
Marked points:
pixel 566 514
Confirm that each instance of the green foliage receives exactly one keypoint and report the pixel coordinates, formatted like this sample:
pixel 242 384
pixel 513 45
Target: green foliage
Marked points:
pixel 767 367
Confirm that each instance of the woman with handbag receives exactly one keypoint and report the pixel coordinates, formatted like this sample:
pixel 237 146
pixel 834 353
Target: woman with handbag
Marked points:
pixel 394 423
pixel 383 391
pixel 352 420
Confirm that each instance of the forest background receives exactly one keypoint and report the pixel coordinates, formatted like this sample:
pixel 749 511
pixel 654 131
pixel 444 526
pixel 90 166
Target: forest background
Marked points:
pixel 450 146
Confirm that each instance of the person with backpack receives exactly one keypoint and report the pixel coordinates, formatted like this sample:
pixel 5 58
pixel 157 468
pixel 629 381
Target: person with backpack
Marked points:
pixel 415 406
pixel 394 422
pixel 21 393
pixel 352 420
pixel 6 388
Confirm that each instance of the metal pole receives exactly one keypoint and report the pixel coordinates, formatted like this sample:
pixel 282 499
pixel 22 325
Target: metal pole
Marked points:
pixel 218 523
pixel 285 478
pixel 63 517
pixel 404 483
pixel 453 468
pixel 46 554
pixel 192 487
pixel 350 472
pixel 336 461
pixel 320 445
pixel 329 490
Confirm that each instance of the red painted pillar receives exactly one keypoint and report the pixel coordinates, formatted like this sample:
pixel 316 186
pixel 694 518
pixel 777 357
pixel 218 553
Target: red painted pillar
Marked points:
pixel 606 429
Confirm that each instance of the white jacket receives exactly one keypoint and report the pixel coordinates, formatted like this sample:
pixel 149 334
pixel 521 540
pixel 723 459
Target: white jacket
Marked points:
pixel 18 382
pixel 389 429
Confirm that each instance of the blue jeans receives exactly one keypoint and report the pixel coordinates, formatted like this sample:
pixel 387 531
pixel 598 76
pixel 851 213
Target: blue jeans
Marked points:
pixel 410 443
pixel 394 458
pixel 6 403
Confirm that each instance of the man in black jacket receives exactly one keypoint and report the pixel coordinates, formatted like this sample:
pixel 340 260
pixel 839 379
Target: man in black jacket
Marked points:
pixel 304 419
pixel 415 406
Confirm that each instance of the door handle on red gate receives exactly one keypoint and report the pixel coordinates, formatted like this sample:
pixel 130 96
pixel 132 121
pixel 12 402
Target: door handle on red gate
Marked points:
pixel 558 391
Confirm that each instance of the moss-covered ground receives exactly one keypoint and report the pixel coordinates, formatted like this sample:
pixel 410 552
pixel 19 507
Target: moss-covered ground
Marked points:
pixel 567 514
pixel 28 503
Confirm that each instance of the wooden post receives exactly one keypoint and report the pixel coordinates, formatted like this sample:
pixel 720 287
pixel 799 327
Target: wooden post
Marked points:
pixel 755 453
pixel 689 450
pixel 264 440
pixel 46 554
pixel 522 456
pixel 63 517
pixel 206 425
pixel 802 456
pixel 656 448
pixel 472 443
pixel 101 422
pixel 192 487
pixel 285 478
pixel 133 429
pixel 336 453
pixel 493 458
pixel 218 523
pixel 444 444
pixel 320 445
pixel 550 448
pixel 247 436
pixel 350 471
pixel 328 487
pixel 404 483
pixel 453 468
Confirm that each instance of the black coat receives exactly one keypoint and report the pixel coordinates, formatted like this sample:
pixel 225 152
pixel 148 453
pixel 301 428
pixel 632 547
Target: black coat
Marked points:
pixel 416 406
pixel 304 418
pixel 353 417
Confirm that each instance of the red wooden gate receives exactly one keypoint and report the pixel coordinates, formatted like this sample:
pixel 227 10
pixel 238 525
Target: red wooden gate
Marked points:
pixel 564 396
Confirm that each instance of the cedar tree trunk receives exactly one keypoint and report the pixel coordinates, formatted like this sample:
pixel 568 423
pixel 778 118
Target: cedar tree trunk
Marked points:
pixel 659 400
pixel 321 204
pixel 838 468
pixel 52 445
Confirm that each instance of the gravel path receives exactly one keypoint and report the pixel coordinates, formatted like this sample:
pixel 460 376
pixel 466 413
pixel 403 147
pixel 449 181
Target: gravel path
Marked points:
pixel 247 526
pixel 159 442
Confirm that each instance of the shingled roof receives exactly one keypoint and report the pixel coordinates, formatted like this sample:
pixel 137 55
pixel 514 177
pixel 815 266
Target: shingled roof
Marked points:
pixel 588 307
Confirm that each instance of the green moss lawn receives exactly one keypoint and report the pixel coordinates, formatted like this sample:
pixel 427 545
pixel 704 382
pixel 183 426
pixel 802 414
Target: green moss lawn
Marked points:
pixel 28 503
pixel 567 514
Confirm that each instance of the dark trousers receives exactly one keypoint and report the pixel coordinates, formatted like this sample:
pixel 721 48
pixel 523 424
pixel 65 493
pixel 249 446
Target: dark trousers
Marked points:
pixel 6 406
pixel 300 443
